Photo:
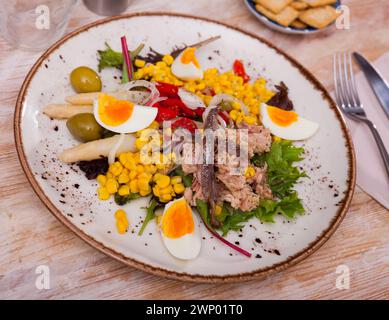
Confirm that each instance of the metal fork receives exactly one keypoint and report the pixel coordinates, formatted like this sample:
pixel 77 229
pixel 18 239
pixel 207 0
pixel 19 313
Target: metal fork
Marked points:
pixel 347 98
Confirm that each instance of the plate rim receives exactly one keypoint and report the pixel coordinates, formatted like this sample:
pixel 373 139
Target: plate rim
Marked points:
pixel 159 271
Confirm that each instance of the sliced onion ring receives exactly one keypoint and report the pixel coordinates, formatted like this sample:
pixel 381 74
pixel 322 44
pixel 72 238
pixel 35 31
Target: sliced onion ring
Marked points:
pixel 115 148
pixel 191 100
pixel 217 99
pixel 154 93
pixel 207 110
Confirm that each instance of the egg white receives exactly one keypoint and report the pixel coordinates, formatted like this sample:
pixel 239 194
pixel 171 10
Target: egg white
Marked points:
pixel 186 71
pixel 141 118
pixel 299 130
pixel 186 247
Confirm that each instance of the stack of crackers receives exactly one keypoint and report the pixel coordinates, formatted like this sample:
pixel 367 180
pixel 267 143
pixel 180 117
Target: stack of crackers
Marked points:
pixel 299 14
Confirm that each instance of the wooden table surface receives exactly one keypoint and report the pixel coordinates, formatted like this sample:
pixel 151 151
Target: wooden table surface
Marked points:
pixel 30 236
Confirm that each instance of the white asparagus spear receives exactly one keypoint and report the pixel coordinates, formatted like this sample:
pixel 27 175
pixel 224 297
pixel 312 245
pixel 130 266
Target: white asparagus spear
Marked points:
pixel 98 148
pixel 82 98
pixel 66 111
pixel 88 98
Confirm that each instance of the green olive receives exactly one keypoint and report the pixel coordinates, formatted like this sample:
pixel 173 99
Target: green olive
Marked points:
pixel 84 127
pixel 84 79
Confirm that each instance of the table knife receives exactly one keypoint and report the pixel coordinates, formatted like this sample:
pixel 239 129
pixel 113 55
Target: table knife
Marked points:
pixel 376 81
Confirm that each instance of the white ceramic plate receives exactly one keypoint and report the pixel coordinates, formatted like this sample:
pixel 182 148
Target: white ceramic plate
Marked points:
pixel 71 197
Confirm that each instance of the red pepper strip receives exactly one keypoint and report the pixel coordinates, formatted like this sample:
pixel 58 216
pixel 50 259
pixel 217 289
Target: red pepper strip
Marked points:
pixel 199 111
pixel 185 123
pixel 167 90
pixel 240 71
pixel 165 113
pixel 176 103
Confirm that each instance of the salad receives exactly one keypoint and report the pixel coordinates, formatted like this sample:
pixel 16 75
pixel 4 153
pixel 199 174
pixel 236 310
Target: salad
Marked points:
pixel 200 144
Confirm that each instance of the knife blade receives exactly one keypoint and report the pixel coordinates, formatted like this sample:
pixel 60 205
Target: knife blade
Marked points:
pixel 376 81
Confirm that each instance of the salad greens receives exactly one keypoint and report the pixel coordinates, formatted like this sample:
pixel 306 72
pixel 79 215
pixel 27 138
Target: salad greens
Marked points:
pixel 150 214
pixel 282 176
pixel 122 200
pixel 109 58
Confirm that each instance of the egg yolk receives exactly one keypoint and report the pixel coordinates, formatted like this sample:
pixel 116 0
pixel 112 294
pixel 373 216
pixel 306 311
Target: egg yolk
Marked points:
pixel 188 56
pixel 112 111
pixel 177 220
pixel 281 117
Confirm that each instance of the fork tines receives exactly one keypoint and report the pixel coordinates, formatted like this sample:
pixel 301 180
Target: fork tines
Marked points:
pixel 346 94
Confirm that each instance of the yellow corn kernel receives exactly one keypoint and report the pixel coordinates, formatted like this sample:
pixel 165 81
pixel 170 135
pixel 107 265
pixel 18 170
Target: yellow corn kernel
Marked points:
pixel 167 190
pixel 250 172
pixel 123 158
pixel 218 210
pixel 236 105
pixel 109 175
pixel 112 186
pixel 101 179
pixel 139 143
pixel 139 63
pixel 145 176
pixel 175 180
pixel 130 164
pixel 179 188
pixel 157 176
pixel 239 118
pixel 143 184
pixel 156 191
pixel 168 59
pixel 140 168
pixel 120 214
pixel 234 114
pixel 123 178
pixel 116 168
pixel 133 174
pixel 250 119
pixel 255 109
pixel 136 157
pixel 150 168
pixel 145 192
pixel 160 166
pixel 134 186
pixel 124 190
pixel 102 193
pixel 165 197
pixel 163 181
pixel 121 221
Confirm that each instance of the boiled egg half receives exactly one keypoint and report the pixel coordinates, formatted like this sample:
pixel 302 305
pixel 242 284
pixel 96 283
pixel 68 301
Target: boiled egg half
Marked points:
pixel 180 230
pixel 122 116
pixel 186 66
pixel 287 125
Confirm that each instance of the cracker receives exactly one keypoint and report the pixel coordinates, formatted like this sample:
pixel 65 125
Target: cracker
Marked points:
pixel 318 3
pixel 275 6
pixel 299 5
pixel 298 24
pixel 319 17
pixel 285 17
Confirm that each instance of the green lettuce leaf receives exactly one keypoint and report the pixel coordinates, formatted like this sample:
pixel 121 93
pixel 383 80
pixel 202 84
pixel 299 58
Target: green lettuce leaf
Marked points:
pixel 282 174
pixel 110 58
